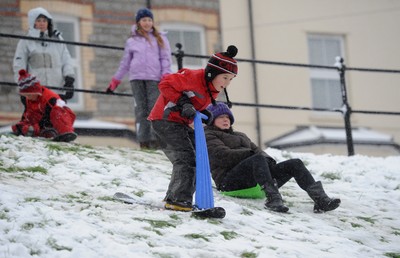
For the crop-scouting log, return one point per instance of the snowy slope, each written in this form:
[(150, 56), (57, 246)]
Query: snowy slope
[(56, 201)]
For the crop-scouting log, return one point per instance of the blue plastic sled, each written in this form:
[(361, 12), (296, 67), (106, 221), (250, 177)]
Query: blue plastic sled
[(204, 194)]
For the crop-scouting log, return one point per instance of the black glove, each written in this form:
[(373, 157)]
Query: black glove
[(69, 83), (186, 106), (183, 100), (188, 111), (209, 115)]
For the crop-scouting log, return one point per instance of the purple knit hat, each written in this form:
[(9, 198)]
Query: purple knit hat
[(220, 108)]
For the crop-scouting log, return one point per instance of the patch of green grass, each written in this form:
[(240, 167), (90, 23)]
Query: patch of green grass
[(196, 236), (32, 199), (392, 255), (228, 235), (157, 223), (248, 255), (35, 169), (214, 221), (174, 217), (27, 226), (106, 198), (61, 147), (355, 225), (368, 219), (359, 242), (54, 147), (246, 212), (11, 169), (116, 181), (161, 255), (331, 175), (73, 198), (383, 239), (83, 193), (160, 223), (4, 215), (53, 244), (35, 252), (139, 193)]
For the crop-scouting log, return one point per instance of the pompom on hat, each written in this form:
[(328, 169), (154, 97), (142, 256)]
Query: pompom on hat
[(28, 84), (220, 108), (144, 12), (222, 62)]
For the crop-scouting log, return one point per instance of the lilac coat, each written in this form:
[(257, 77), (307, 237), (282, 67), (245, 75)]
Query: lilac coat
[(144, 60)]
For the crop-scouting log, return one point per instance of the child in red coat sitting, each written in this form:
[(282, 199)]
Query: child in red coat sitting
[(46, 114)]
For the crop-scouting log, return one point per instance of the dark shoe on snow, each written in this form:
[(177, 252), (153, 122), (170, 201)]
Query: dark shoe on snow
[(326, 205), (66, 137), (275, 203), (178, 206), (274, 198), (322, 201), (48, 133)]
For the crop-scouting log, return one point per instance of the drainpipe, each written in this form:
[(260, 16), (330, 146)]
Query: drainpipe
[(255, 85)]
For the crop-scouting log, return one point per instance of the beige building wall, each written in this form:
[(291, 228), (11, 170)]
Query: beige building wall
[(371, 40)]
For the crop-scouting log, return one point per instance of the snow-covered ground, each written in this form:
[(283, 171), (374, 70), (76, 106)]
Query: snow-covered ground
[(56, 201)]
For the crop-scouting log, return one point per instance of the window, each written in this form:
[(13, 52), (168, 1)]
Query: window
[(325, 83), (69, 28), (192, 39)]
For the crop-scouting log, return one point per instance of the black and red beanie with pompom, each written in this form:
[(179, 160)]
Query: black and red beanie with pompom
[(222, 62)]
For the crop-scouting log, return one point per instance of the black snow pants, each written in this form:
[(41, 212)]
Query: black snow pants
[(259, 169), (177, 142)]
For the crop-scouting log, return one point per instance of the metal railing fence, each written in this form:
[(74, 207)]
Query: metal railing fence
[(179, 54)]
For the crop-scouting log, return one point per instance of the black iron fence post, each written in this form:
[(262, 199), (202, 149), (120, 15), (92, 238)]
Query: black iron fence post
[(179, 53), (346, 109)]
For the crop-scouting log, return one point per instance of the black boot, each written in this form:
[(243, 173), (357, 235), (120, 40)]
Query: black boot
[(274, 199), (322, 201)]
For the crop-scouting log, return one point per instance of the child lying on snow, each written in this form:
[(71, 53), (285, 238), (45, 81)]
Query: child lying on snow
[(46, 114)]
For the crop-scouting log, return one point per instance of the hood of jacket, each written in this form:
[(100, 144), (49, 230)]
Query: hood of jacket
[(32, 16)]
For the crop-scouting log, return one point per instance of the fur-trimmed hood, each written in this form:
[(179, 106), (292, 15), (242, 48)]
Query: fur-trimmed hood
[(32, 16)]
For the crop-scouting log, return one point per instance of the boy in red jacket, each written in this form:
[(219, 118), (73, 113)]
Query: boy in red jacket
[(46, 114), (181, 95)]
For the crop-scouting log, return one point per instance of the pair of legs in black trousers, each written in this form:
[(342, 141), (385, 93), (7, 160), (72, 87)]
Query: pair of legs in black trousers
[(262, 170), (177, 142), (259, 169)]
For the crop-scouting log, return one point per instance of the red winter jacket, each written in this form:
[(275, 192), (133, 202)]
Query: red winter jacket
[(48, 111), (185, 81), (35, 110)]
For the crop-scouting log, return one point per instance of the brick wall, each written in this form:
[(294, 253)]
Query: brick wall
[(102, 22)]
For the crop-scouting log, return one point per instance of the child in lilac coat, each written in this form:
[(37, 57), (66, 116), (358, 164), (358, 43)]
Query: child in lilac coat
[(146, 59)]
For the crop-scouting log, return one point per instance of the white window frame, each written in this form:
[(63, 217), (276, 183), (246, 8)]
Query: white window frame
[(325, 74), (187, 27), (78, 104)]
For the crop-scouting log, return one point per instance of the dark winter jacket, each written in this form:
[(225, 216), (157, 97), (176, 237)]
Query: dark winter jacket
[(226, 149)]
